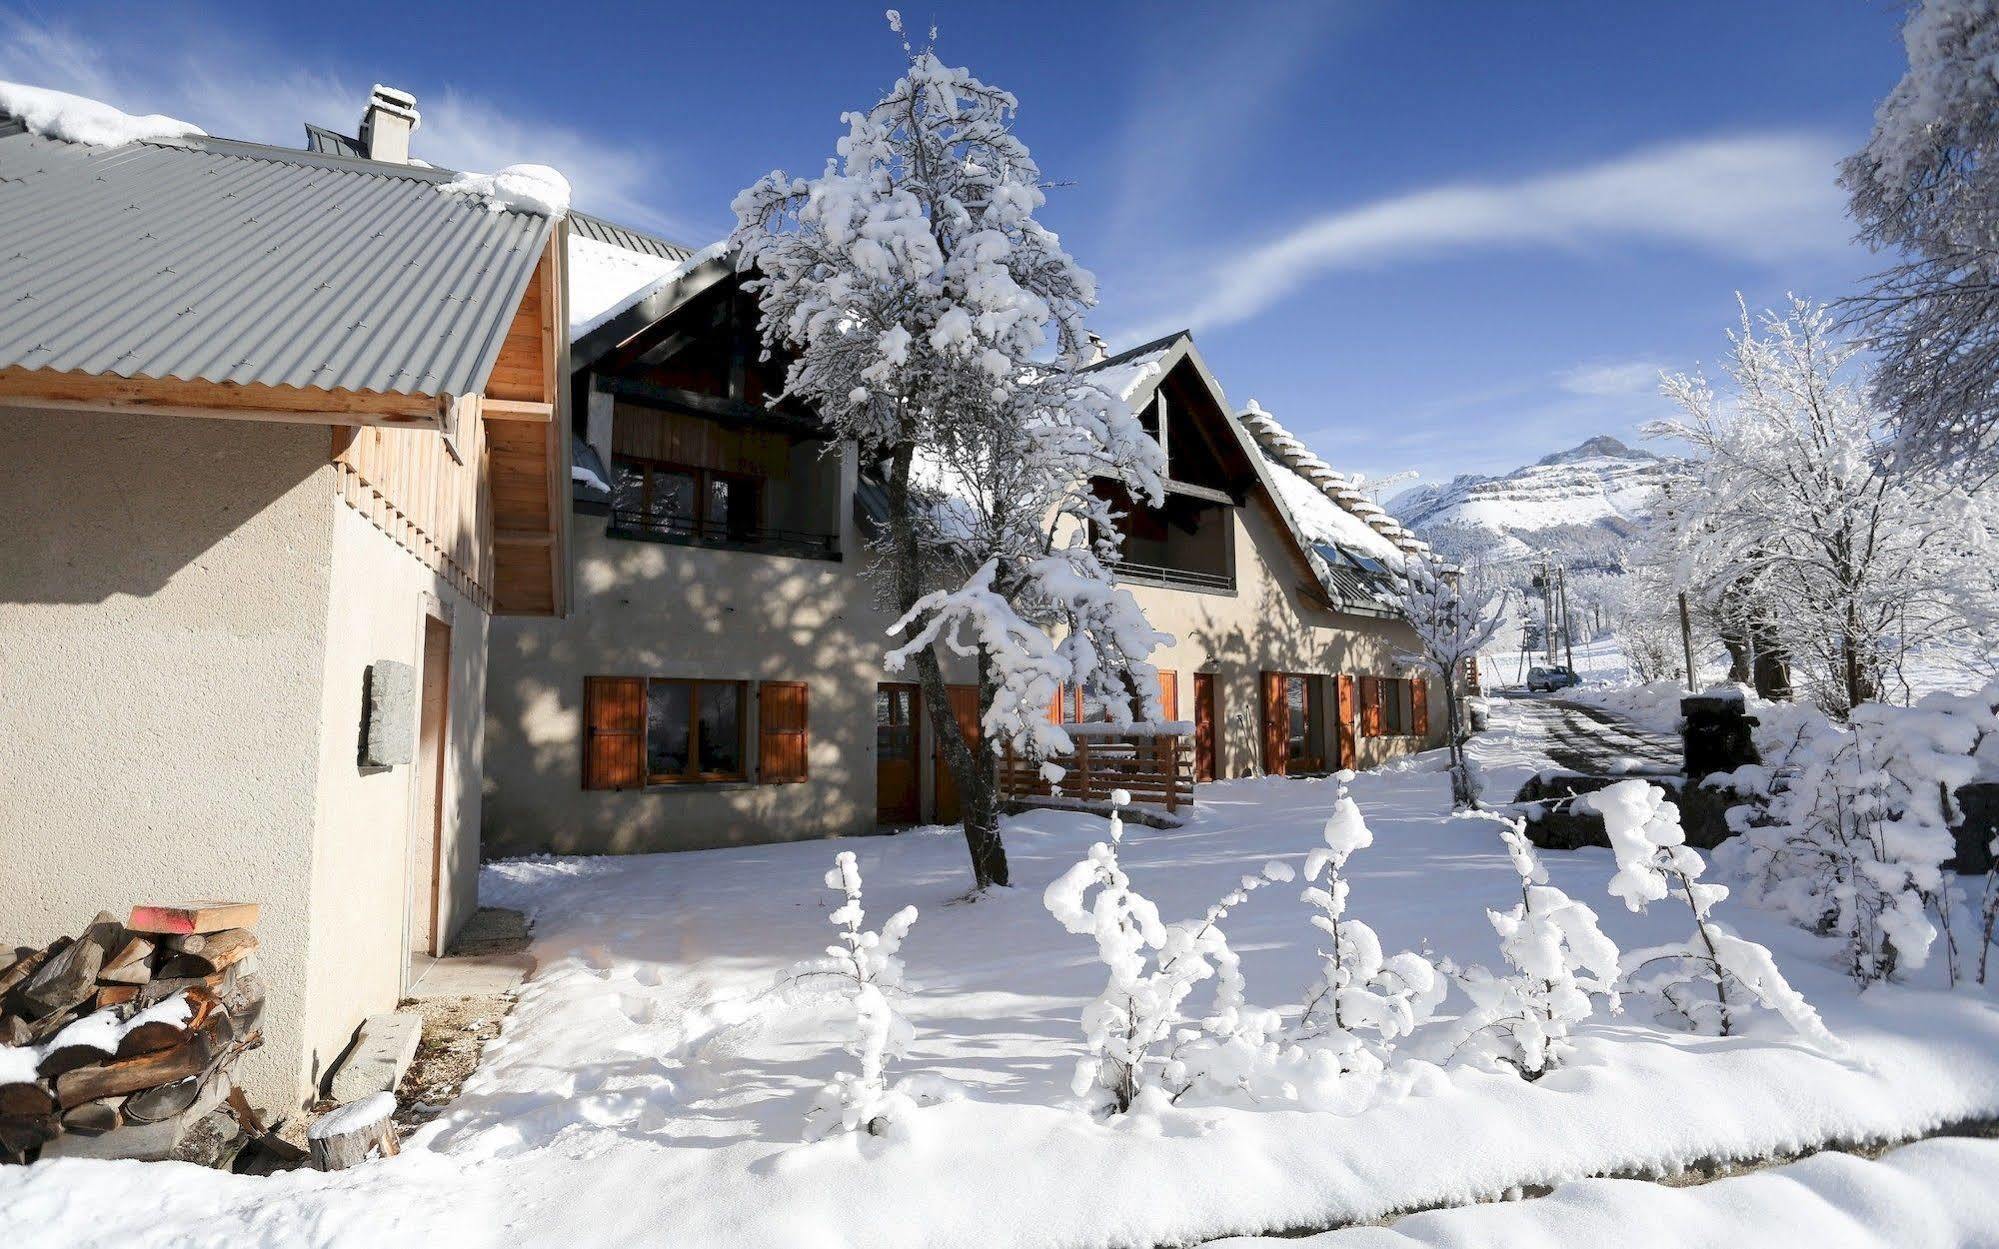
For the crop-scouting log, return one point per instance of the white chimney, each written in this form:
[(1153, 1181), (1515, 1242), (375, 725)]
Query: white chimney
[(386, 126), (1099, 350)]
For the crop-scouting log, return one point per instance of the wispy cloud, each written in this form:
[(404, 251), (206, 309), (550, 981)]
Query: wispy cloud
[(194, 68), (1613, 380), (1762, 197)]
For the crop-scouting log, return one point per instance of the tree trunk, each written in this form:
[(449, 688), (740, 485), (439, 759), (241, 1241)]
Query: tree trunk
[(975, 771)]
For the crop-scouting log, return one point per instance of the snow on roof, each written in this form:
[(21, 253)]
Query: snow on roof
[(605, 279), (1328, 504), (517, 188), (78, 119), (1124, 377)]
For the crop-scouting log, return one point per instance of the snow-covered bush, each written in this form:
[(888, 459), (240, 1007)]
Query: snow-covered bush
[(863, 972), (1153, 967), (1852, 824), (1362, 1001), (1711, 978), (1559, 957)]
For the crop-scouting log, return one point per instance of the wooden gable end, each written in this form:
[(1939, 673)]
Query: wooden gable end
[(527, 440)]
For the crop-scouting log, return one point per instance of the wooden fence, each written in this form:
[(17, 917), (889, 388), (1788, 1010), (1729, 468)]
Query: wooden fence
[(1155, 768)]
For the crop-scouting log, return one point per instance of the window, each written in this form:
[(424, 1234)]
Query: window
[(676, 499), (694, 731), (660, 731), (895, 722), (1394, 707)]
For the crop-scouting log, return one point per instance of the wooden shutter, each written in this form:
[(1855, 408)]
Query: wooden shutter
[(1420, 713), (1276, 725), (1055, 715), (1370, 706), (614, 732), (1349, 722), (781, 735), (1169, 695)]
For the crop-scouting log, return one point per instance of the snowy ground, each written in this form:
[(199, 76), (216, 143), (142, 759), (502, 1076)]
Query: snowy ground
[(1936, 1194), (644, 1091)]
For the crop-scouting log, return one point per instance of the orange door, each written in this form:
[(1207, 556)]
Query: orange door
[(897, 800), (1204, 726), (964, 706)]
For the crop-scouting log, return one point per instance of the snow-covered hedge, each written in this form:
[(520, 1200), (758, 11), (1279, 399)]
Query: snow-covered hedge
[(1850, 825)]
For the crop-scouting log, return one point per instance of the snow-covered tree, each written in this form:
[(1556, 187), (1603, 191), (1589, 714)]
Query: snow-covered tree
[(935, 323), (1801, 507), (1926, 186), (1153, 967), (1559, 958), (1362, 1002), (1711, 978), (1455, 615), (863, 973), (1854, 822)]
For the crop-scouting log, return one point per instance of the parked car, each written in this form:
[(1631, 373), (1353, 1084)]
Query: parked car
[(1548, 680)]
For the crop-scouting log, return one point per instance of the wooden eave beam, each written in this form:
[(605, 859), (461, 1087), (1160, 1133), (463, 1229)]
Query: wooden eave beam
[(234, 400), (519, 410), (715, 407)]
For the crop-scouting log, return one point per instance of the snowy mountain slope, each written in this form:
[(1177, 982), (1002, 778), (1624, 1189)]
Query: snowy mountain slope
[(1600, 484)]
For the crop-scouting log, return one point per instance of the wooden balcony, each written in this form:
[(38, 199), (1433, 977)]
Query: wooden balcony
[(1156, 768)]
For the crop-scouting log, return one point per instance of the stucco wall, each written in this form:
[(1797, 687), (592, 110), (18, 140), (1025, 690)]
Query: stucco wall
[(651, 609), (658, 610), (1267, 625), (163, 612), (362, 871)]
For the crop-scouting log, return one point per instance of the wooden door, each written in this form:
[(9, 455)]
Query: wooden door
[(1347, 722), (898, 799), (426, 854), (1204, 726), (1169, 694), (1276, 723), (965, 706)]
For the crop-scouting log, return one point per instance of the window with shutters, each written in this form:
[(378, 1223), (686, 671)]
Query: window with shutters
[(1292, 724), (642, 731), (1393, 707)]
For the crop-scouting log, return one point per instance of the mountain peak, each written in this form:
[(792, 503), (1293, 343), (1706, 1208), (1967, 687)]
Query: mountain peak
[(1601, 447)]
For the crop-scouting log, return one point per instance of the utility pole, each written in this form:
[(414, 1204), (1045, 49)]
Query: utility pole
[(1542, 583), (1568, 628), (1687, 641)]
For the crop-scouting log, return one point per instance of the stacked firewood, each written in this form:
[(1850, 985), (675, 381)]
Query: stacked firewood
[(120, 1042)]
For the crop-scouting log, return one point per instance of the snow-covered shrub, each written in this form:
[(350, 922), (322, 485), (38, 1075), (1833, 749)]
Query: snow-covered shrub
[(1852, 826), (864, 972), (1153, 967), (1559, 957), (1362, 1001), (1709, 979)]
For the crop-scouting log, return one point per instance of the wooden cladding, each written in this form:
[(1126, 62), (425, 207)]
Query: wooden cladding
[(677, 438), (485, 505), (781, 735), (614, 727), (439, 508)]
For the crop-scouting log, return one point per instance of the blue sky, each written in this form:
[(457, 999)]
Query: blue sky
[(1443, 237)]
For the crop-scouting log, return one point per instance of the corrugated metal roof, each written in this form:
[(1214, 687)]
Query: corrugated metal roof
[(221, 261), (624, 236), (332, 142)]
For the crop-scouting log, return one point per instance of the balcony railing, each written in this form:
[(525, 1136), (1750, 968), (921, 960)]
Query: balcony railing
[(1153, 766), (1179, 578), (633, 524)]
